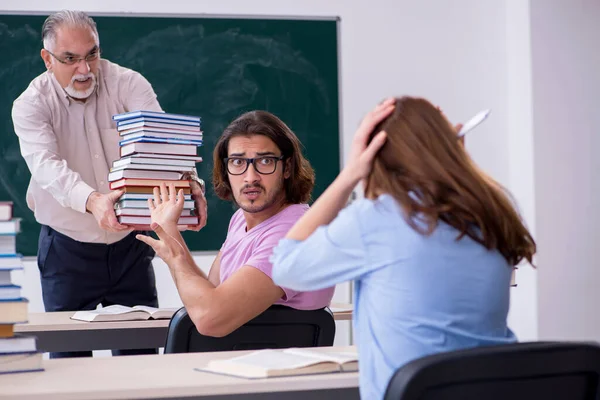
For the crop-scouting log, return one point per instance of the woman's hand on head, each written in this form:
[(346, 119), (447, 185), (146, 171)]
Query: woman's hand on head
[(362, 153)]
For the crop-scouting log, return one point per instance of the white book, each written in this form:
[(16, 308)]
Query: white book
[(10, 261), (144, 222), (152, 163), (153, 167), (145, 196), (167, 135), (6, 208), (10, 292), (5, 277), (169, 157), (11, 226), (155, 114), (17, 344), (158, 125), (189, 204), (144, 174), (8, 244), (146, 212), (154, 119), (294, 361), (21, 362), (197, 143), (125, 130), (159, 148), (123, 313)]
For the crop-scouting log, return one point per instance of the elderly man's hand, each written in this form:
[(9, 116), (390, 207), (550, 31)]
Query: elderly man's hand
[(199, 200)]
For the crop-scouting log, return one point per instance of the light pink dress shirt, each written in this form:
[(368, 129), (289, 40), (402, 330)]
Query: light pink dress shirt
[(69, 145)]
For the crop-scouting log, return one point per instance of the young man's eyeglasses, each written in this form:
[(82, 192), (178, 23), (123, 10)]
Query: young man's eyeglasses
[(264, 165), (73, 59)]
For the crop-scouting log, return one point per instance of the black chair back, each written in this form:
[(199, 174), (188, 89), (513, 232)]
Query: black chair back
[(520, 371), (277, 327)]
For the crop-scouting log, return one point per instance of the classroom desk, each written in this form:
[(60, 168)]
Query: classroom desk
[(56, 331), (166, 377)]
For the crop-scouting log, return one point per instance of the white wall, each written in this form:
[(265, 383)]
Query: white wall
[(523, 311), (566, 86), (461, 55)]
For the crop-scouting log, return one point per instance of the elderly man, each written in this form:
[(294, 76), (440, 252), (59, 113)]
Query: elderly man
[(67, 138)]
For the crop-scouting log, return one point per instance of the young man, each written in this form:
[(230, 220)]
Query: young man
[(259, 166), (65, 129)]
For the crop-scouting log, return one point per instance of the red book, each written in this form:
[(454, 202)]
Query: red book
[(146, 182)]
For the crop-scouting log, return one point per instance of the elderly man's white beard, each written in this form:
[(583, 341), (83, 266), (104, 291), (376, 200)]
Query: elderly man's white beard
[(81, 94)]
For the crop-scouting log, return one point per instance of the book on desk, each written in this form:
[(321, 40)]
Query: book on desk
[(118, 312), (286, 362)]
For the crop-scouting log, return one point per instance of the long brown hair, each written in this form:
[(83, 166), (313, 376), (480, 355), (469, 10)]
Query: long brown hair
[(425, 168), (302, 176)]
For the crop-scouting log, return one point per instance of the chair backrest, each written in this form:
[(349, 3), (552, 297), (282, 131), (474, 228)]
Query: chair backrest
[(535, 370), (277, 327)]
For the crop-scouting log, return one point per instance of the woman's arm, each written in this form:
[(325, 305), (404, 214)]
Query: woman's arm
[(324, 210)]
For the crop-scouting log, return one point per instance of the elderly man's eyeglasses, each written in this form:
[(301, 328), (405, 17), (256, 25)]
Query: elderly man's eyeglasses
[(72, 59), (264, 165)]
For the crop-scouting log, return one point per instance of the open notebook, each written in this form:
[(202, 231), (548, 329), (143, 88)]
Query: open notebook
[(122, 313), (294, 361)]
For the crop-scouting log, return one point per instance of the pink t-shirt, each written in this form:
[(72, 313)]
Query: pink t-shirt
[(253, 248)]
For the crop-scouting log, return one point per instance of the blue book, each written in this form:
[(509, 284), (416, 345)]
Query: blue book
[(154, 114), (174, 122), (20, 362), (5, 276), (159, 140), (17, 300), (10, 292), (164, 126)]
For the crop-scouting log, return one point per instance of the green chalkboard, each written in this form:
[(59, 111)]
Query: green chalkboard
[(216, 68)]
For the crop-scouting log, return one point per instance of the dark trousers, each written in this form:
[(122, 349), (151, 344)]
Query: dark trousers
[(79, 276)]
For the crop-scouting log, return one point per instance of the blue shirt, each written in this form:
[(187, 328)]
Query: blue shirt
[(414, 295)]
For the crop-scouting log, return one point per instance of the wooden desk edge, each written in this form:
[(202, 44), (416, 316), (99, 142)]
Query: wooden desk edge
[(67, 324)]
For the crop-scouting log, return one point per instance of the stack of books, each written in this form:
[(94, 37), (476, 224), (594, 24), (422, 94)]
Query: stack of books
[(18, 353), (155, 147)]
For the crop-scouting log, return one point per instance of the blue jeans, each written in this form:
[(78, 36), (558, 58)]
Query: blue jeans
[(79, 276)]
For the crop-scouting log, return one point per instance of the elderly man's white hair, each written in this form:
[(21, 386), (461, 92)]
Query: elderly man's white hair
[(66, 18)]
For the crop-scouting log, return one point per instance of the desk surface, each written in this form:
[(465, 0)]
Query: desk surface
[(156, 376), (61, 321), (56, 331)]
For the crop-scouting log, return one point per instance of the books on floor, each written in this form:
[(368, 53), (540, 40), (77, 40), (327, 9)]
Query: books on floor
[(18, 353), (155, 147), (293, 361), (118, 312)]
